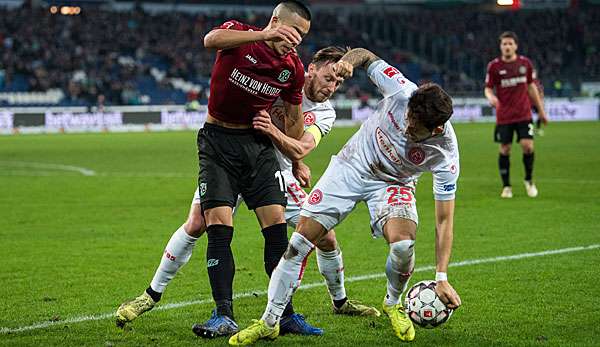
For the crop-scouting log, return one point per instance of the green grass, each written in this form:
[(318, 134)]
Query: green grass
[(75, 245)]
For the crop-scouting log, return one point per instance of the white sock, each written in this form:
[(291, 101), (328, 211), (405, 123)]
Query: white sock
[(286, 277), (176, 254), (398, 269), (331, 267)]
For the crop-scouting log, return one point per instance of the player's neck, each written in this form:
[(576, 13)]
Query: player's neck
[(509, 59)]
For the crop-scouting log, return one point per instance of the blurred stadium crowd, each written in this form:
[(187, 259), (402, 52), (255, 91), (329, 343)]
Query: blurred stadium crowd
[(134, 57)]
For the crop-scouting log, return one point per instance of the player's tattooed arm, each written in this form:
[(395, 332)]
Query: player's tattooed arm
[(290, 147), (294, 121), (357, 57)]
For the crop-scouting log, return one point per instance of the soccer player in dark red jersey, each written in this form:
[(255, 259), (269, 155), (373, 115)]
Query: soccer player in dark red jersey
[(252, 69), (511, 76)]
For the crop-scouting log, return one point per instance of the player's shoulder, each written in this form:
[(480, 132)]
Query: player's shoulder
[(448, 141), (239, 25), (524, 59), (320, 109), (494, 63)]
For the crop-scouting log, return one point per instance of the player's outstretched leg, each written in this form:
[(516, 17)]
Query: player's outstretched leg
[(400, 234), (284, 281), (177, 253), (276, 242), (331, 266)]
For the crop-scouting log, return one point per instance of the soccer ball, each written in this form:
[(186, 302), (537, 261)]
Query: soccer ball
[(424, 307)]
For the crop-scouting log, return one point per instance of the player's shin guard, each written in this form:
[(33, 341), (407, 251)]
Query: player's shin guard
[(528, 163), (276, 243), (286, 277), (177, 253), (221, 268), (398, 269), (504, 167), (331, 267)]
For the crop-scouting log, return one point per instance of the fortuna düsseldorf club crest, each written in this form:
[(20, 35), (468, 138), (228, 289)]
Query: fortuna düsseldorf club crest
[(416, 155), (315, 197), (309, 118)]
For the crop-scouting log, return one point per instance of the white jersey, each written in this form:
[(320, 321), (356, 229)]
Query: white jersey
[(381, 149), (320, 114)]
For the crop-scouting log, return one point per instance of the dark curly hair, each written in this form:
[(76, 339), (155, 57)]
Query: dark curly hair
[(431, 105)]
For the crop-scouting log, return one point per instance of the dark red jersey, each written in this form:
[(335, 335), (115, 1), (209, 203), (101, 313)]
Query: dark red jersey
[(511, 81), (250, 78)]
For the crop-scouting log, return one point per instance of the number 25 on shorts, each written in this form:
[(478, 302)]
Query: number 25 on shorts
[(397, 195)]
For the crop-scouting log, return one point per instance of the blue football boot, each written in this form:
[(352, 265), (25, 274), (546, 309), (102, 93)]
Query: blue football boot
[(296, 324), (216, 326)]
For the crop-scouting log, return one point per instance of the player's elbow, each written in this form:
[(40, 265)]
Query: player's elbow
[(210, 41)]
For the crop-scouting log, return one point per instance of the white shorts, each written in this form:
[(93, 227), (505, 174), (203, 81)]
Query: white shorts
[(341, 187), (293, 191)]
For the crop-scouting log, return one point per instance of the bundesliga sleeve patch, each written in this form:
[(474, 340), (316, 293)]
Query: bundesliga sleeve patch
[(390, 71)]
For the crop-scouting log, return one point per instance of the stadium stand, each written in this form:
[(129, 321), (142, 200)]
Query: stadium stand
[(139, 57)]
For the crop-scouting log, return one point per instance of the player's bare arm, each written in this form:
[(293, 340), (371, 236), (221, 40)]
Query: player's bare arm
[(357, 57), (534, 94), (294, 121), (491, 97), (290, 147), (228, 38), (444, 215)]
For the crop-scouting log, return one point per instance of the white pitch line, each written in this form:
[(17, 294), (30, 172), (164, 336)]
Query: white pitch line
[(80, 319), (34, 165)]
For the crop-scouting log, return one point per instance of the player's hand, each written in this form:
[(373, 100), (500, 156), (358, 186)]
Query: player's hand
[(447, 294), (262, 122), (302, 173), (343, 69), (282, 33), (493, 101), (544, 118)]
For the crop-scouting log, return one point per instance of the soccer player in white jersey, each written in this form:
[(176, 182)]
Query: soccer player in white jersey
[(319, 116), (408, 134)]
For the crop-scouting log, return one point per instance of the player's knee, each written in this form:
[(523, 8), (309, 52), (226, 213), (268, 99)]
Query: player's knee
[(402, 249), (195, 226), (528, 148), (299, 246), (505, 149), (328, 242)]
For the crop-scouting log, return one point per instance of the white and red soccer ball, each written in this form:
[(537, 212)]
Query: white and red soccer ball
[(424, 307)]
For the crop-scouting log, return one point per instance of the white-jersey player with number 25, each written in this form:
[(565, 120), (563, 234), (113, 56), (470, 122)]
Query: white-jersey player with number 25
[(408, 134)]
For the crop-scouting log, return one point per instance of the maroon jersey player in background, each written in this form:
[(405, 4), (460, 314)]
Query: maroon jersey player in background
[(252, 69), (511, 76)]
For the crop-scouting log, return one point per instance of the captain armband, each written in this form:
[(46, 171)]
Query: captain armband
[(316, 133)]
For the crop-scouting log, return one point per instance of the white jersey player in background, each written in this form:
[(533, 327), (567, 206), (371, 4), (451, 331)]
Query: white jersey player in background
[(319, 116), (408, 134)]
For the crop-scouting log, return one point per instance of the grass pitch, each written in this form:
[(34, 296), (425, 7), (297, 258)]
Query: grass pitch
[(84, 219)]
